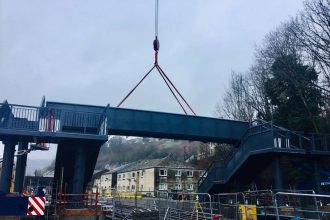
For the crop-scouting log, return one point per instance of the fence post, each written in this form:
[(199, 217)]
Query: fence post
[(114, 204), (276, 208), (211, 210), (96, 197)]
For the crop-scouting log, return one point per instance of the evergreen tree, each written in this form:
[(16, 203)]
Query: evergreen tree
[(292, 90)]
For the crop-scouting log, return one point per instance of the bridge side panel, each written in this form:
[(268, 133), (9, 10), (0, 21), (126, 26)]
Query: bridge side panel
[(130, 122)]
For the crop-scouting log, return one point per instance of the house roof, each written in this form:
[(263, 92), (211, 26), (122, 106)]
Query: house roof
[(119, 168), (98, 174), (167, 162)]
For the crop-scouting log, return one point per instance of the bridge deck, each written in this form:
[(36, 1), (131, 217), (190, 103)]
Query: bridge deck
[(130, 122), (58, 121)]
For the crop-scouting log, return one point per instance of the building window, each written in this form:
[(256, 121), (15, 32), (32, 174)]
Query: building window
[(177, 186), (190, 186), (127, 188), (133, 187), (124, 176), (190, 173), (141, 188), (177, 172), (201, 173), (142, 173), (118, 187), (162, 172), (163, 186), (133, 175), (119, 176)]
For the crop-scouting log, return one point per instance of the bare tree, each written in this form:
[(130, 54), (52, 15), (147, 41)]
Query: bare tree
[(235, 101), (307, 38), (246, 97), (312, 29)]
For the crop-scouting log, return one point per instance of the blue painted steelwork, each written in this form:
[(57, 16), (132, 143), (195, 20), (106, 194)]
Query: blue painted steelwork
[(49, 124), (13, 206), (61, 120), (79, 175), (7, 166), (262, 139), (130, 122), (278, 173), (76, 125), (20, 167)]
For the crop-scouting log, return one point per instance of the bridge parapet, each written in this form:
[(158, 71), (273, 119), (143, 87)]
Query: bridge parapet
[(15, 118), (132, 122)]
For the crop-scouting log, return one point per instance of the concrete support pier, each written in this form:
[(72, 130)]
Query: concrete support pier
[(20, 167), (7, 165), (278, 173)]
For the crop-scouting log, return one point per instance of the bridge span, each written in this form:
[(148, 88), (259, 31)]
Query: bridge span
[(80, 131)]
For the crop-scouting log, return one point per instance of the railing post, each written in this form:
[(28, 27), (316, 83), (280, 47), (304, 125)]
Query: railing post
[(59, 200), (64, 201), (316, 206)]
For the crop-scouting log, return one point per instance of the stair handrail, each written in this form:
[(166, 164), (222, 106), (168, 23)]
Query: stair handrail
[(245, 137), (264, 127), (233, 151)]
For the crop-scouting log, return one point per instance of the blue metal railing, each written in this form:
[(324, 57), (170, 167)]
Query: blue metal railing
[(219, 170), (260, 137), (44, 119)]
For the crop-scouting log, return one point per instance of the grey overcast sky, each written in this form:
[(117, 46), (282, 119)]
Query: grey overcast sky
[(94, 52)]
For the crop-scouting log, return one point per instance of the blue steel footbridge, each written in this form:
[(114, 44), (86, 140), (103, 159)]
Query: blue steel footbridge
[(80, 131)]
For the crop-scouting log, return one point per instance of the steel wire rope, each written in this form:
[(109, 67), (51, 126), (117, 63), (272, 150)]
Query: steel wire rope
[(171, 89), (145, 76), (156, 17), (176, 90)]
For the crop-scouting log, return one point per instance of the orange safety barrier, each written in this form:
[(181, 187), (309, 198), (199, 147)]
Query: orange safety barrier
[(85, 200)]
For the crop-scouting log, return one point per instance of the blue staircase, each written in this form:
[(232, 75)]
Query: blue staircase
[(262, 139)]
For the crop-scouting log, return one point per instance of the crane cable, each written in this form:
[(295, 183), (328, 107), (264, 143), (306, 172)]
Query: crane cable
[(156, 17), (166, 79)]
